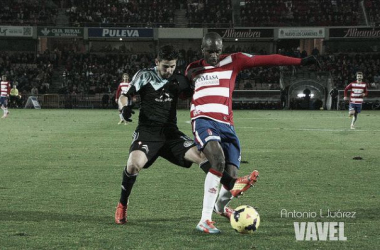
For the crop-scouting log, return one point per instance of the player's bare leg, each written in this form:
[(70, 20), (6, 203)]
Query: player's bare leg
[(5, 111), (123, 100), (354, 116), (136, 161)]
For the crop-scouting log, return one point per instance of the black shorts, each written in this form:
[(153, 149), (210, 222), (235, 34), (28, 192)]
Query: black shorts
[(170, 144)]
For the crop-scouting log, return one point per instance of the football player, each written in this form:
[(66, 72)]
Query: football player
[(122, 89), (212, 117), (4, 94), (358, 91), (157, 134)]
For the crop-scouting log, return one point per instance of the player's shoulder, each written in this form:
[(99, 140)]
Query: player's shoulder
[(143, 73), (241, 55), (195, 64)]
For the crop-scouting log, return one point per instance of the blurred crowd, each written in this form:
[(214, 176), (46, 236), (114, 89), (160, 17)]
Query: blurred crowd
[(198, 13), (259, 13), (31, 73), (86, 12), (28, 12)]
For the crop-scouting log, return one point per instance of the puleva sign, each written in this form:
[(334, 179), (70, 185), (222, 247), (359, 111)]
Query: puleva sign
[(120, 33)]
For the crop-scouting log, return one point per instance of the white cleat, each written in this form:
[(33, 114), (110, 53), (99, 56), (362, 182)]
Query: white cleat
[(207, 227)]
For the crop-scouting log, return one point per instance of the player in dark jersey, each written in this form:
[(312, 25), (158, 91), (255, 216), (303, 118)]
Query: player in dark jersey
[(157, 134), (212, 116)]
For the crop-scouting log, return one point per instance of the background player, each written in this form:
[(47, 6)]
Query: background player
[(212, 117), (358, 91), (4, 94), (157, 134), (122, 89)]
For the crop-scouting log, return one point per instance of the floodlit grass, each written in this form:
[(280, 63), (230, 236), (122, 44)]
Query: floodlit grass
[(60, 176)]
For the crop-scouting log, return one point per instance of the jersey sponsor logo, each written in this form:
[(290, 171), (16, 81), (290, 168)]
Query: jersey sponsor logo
[(357, 91), (358, 85), (206, 80), (211, 79), (164, 98)]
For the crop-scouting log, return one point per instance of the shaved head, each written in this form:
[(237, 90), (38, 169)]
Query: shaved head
[(212, 47), (212, 38)]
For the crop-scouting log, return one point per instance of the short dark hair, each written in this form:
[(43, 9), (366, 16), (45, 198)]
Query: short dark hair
[(359, 73), (167, 52)]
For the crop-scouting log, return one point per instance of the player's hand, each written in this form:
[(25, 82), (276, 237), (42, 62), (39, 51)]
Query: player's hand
[(345, 98), (310, 60), (185, 88), (179, 79), (127, 113)]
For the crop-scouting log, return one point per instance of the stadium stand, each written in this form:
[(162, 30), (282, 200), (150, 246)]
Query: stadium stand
[(261, 13), (28, 70), (158, 13), (95, 70), (28, 12)]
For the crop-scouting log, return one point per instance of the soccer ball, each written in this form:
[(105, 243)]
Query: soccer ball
[(245, 219)]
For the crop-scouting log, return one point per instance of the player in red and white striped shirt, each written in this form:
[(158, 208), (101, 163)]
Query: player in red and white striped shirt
[(4, 94), (358, 91), (212, 117), (122, 89)]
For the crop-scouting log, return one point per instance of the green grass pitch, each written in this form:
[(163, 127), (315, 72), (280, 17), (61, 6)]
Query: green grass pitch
[(60, 176)]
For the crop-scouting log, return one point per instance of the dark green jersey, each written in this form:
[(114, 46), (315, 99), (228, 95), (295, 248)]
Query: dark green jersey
[(159, 99)]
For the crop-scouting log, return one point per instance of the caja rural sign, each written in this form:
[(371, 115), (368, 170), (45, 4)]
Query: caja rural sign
[(59, 32)]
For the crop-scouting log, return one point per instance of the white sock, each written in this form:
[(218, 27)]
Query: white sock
[(353, 121), (5, 111), (121, 117), (224, 198), (211, 188)]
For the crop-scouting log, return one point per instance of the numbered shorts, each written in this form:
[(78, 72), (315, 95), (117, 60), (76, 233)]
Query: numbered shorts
[(355, 107), (206, 130), (172, 149)]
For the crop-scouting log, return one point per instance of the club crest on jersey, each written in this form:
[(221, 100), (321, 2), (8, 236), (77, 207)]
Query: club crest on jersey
[(209, 131)]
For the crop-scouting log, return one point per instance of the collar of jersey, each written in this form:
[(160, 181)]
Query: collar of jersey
[(159, 82)]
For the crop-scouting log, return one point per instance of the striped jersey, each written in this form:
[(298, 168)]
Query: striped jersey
[(214, 85), (358, 91), (5, 88), (122, 89)]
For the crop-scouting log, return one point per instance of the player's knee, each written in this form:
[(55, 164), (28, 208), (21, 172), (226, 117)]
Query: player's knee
[(133, 168), (218, 162)]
